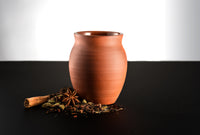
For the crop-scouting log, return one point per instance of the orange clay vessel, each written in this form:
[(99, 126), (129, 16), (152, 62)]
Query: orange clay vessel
[(98, 65)]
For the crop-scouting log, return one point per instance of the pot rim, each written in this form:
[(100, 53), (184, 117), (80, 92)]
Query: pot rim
[(98, 33)]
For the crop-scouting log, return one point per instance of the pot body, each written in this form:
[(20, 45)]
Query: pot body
[(98, 66)]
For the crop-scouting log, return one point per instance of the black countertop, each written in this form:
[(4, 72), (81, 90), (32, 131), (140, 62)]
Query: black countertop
[(160, 98)]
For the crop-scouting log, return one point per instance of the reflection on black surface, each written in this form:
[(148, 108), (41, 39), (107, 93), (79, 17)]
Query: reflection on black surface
[(110, 123)]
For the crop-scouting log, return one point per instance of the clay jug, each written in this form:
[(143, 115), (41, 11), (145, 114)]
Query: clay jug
[(98, 65)]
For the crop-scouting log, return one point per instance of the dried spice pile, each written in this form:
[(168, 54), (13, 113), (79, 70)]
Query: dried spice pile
[(67, 101)]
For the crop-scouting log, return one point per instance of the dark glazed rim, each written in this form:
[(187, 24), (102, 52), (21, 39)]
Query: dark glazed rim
[(98, 33)]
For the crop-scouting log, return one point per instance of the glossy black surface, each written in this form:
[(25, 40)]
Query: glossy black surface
[(160, 98)]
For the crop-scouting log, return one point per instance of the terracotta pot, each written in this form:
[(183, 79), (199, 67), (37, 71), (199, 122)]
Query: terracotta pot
[(98, 65)]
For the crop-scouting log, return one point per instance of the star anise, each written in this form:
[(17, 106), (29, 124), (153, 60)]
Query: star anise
[(70, 97)]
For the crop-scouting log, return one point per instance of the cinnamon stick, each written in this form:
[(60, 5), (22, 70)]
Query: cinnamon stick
[(34, 101)]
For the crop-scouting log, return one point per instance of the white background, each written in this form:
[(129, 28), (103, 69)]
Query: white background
[(43, 29)]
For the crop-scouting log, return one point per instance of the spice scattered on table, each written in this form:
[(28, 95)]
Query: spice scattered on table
[(67, 101)]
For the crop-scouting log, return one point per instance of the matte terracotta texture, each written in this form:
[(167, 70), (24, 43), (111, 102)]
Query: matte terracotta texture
[(98, 65)]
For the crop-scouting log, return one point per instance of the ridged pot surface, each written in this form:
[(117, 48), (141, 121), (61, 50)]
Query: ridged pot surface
[(98, 65)]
